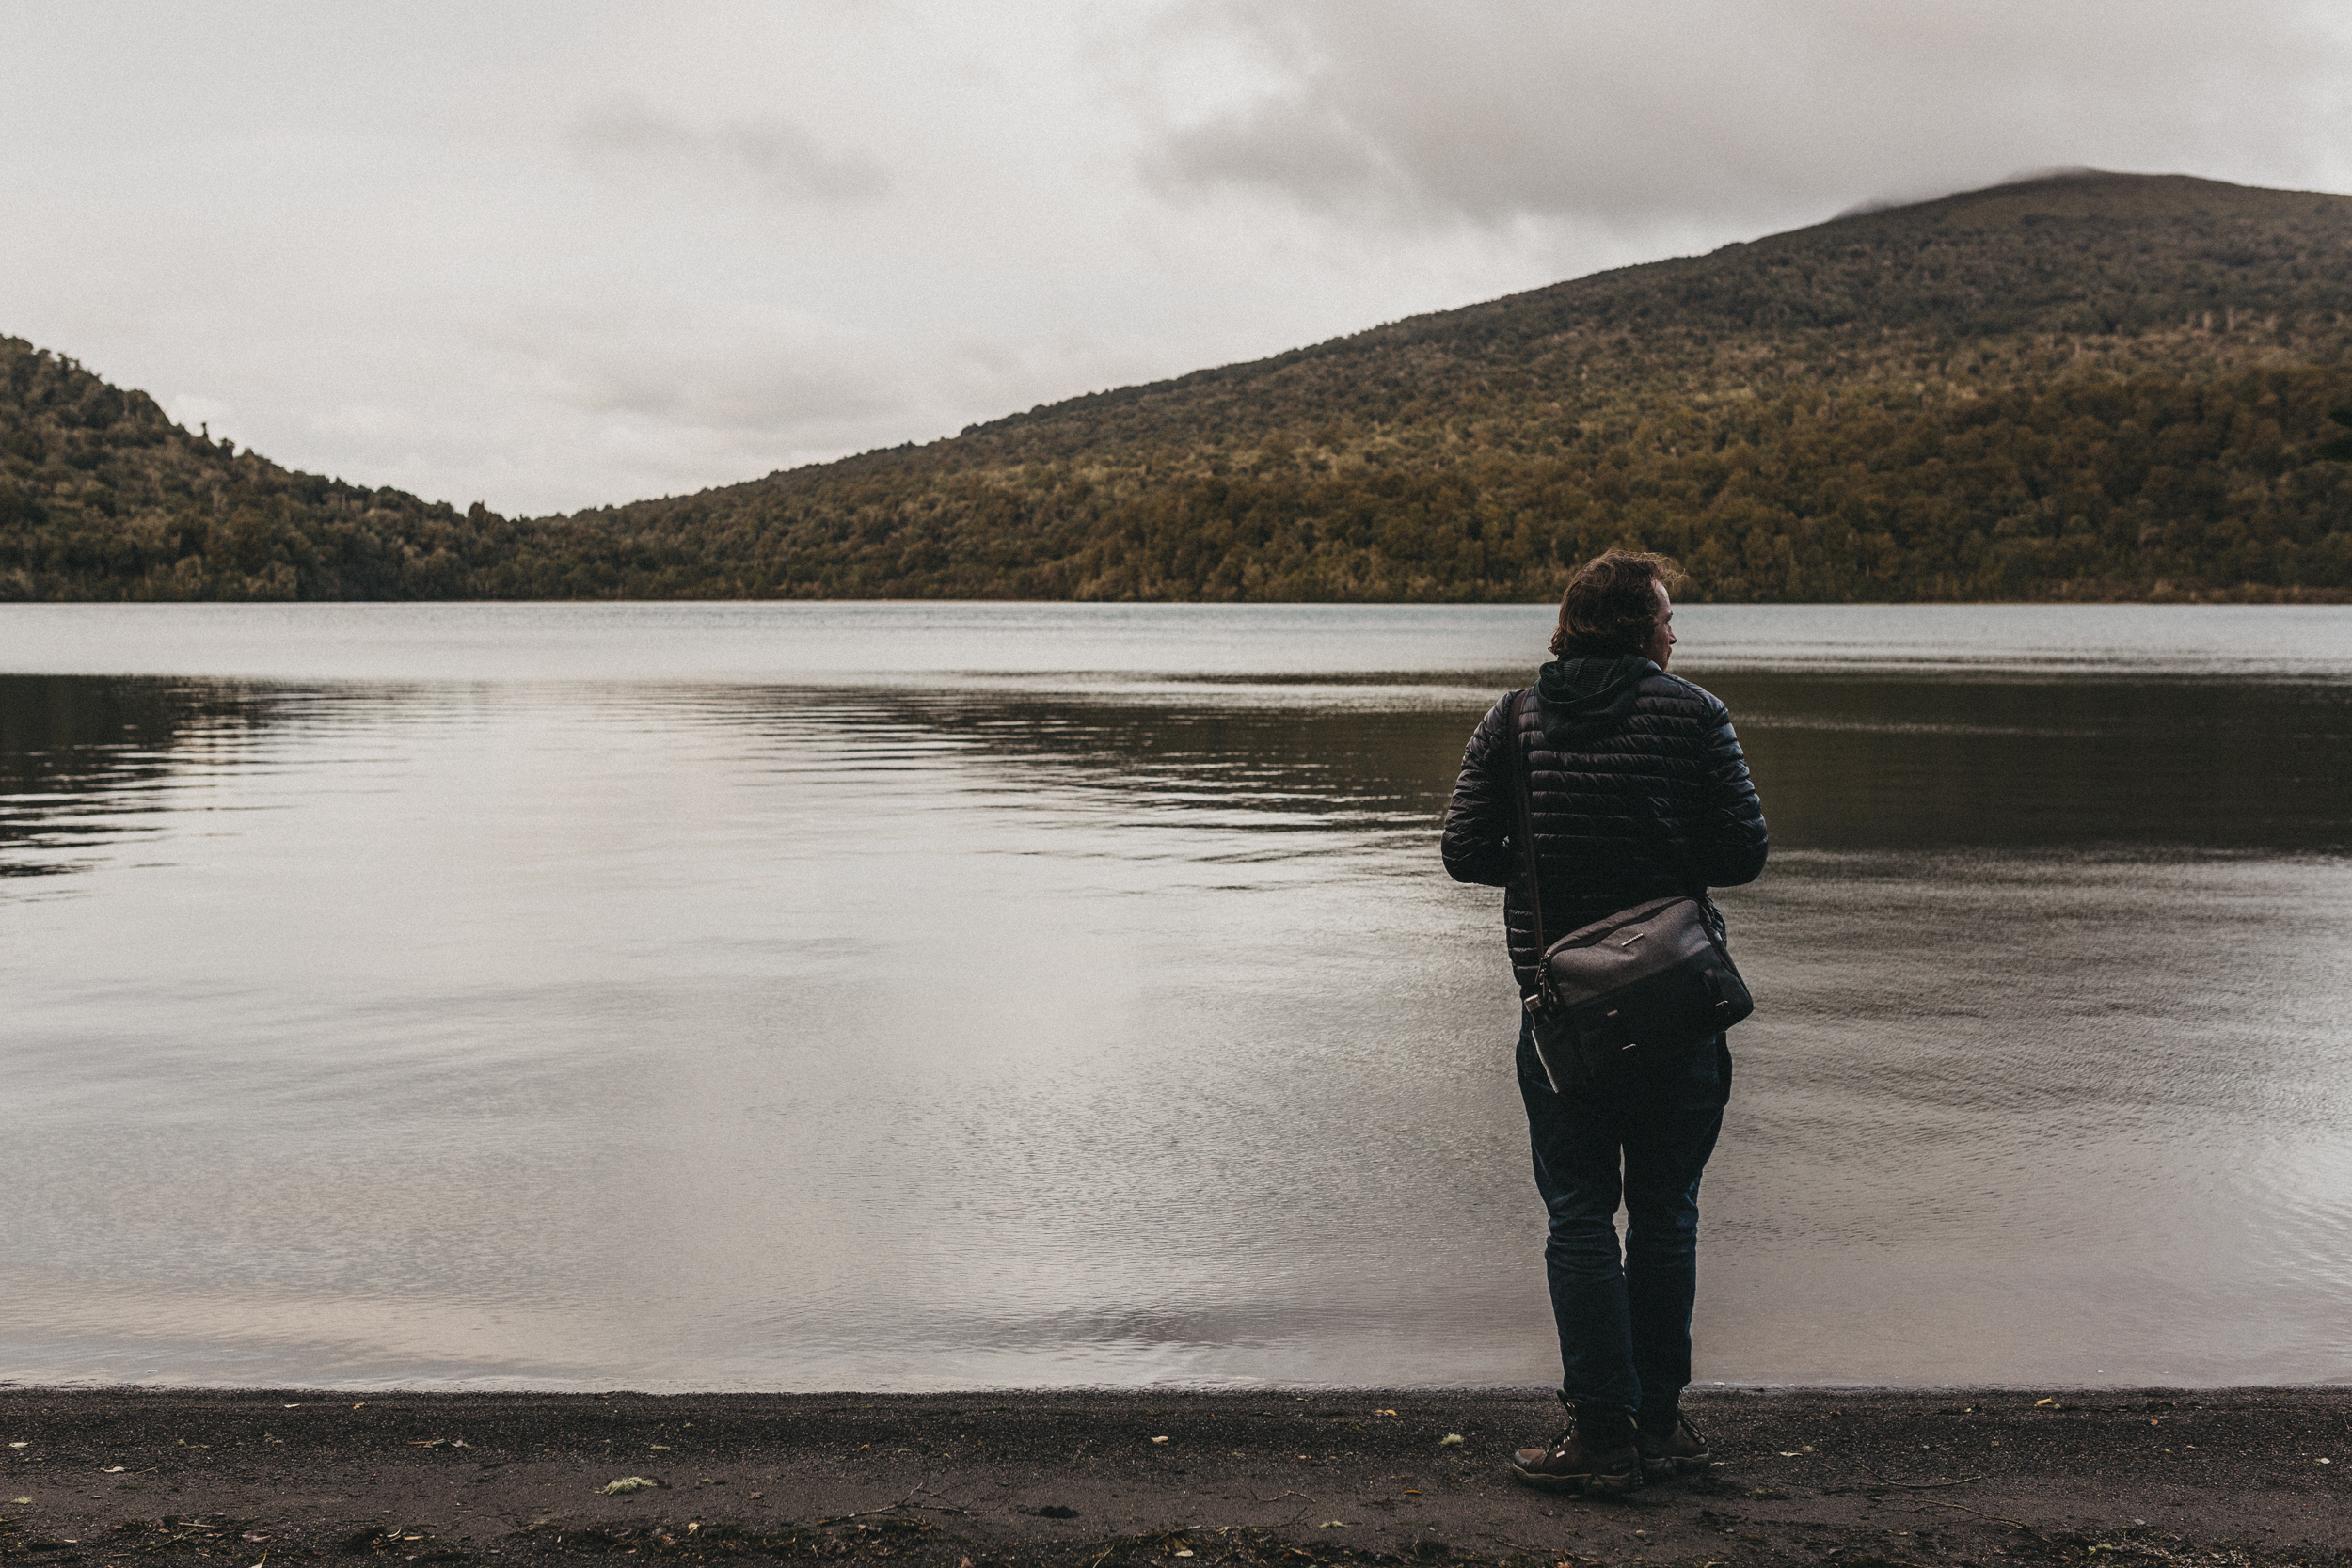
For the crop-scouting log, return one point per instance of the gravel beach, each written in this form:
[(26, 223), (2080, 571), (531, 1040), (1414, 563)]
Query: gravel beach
[(1091, 1480)]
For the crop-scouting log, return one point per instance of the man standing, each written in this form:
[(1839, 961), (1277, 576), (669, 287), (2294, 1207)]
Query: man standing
[(1637, 790)]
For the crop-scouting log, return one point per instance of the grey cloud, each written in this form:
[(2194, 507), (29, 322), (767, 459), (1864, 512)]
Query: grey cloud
[(779, 159), (1516, 109), (773, 372), (791, 163), (1308, 149)]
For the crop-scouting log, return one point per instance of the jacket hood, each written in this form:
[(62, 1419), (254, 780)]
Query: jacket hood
[(1584, 699)]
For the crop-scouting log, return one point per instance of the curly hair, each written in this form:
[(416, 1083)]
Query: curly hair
[(1612, 603)]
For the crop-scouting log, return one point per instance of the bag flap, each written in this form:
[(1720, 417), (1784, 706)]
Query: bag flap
[(1628, 947)]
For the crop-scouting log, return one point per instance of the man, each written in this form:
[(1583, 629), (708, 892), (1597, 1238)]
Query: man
[(1638, 790)]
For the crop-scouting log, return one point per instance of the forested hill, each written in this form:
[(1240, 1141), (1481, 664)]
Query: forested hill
[(2090, 386), (103, 497)]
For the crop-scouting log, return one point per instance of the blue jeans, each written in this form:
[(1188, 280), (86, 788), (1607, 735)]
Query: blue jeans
[(1643, 1137)]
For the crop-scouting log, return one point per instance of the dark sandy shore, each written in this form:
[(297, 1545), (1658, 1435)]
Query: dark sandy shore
[(1095, 1480)]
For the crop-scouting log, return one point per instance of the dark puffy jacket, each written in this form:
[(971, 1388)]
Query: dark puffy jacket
[(1658, 801)]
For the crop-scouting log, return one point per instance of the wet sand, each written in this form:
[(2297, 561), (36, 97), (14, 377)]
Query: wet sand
[(1092, 1480)]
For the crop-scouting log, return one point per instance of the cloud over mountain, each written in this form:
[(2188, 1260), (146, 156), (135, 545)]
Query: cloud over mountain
[(1518, 109)]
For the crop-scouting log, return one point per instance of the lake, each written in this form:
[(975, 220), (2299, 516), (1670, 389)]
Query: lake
[(916, 996)]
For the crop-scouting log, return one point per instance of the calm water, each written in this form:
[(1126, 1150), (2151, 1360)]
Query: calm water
[(914, 996)]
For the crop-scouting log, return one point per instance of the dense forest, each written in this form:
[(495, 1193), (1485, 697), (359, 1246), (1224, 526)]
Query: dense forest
[(2085, 386)]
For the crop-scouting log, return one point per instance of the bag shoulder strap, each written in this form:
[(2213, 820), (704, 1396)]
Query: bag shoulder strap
[(1522, 791)]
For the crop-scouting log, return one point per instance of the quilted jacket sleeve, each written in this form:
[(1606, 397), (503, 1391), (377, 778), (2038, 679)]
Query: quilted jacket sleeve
[(1479, 820), (1727, 841)]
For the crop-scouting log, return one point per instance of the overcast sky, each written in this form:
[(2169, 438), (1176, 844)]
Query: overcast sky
[(550, 253)]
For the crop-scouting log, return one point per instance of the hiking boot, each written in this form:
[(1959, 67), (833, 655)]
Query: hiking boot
[(1673, 1448), (1598, 1456)]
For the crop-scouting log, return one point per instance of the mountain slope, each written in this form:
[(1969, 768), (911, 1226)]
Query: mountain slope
[(102, 496), (2100, 385)]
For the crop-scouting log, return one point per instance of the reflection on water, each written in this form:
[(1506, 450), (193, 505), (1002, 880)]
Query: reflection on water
[(1884, 763), (938, 1032), (80, 759)]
